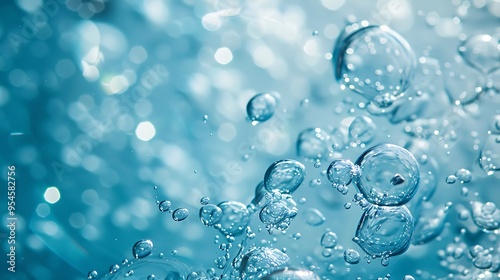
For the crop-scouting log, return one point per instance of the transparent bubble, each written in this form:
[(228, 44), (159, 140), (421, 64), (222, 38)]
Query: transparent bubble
[(210, 214), (351, 256), (284, 176), (408, 277), (92, 274), (481, 258), (279, 213), (114, 268), (362, 130), (164, 206), (340, 172), (463, 175), (235, 218), (142, 248), (261, 261), (385, 231), (463, 84), (205, 200), (389, 175), (374, 61), (313, 143), (292, 274), (261, 107), (486, 216), (489, 157), (329, 239), (180, 214), (429, 225), (451, 179), (481, 52), (313, 217)]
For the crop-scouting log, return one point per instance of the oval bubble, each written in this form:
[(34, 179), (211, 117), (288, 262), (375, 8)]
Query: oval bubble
[(261, 107), (385, 231), (313, 143), (389, 175), (284, 176), (235, 217), (481, 52), (374, 61), (261, 261), (142, 248)]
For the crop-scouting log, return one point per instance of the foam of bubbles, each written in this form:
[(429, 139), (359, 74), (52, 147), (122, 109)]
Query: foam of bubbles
[(389, 175), (340, 172), (374, 61), (486, 215), (285, 176), (385, 231)]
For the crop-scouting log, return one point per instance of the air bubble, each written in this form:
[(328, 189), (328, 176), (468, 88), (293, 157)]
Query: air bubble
[(329, 239), (142, 249), (210, 214), (261, 261), (164, 206), (261, 107), (292, 274), (180, 214), (314, 217), (285, 176), (235, 218), (481, 52), (351, 256), (378, 166), (313, 143)]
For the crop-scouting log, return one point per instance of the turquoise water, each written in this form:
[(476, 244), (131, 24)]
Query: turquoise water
[(227, 139)]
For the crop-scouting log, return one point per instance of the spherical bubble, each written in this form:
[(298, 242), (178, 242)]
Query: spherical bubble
[(351, 256), (385, 231), (180, 214), (486, 215), (329, 239), (340, 172), (235, 218), (92, 274), (142, 248), (261, 261), (374, 61), (292, 274), (481, 52), (284, 176), (210, 214), (261, 107), (489, 157), (389, 175), (313, 143), (362, 130)]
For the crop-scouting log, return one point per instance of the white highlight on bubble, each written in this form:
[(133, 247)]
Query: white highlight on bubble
[(145, 131), (52, 195), (223, 55)]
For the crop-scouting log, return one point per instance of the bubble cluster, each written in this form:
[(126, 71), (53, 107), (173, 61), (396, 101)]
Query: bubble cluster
[(389, 175), (278, 213), (485, 215), (235, 217), (210, 214)]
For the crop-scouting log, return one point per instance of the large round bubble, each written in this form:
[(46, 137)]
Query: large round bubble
[(235, 217), (389, 175), (284, 176), (374, 61), (385, 231), (261, 261)]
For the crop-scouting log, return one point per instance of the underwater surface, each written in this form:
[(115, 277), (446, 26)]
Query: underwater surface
[(264, 139)]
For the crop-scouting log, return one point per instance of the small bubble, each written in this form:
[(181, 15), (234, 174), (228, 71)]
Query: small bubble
[(205, 118), (464, 175), (142, 248), (151, 277), (164, 206), (329, 239), (315, 33), (205, 200), (180, 214), (261, 107), (92, 274), (451, 179), (351, 256), (347, 205), (114, 268)]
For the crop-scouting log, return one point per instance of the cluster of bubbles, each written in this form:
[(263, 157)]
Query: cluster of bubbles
[(393, 186)]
